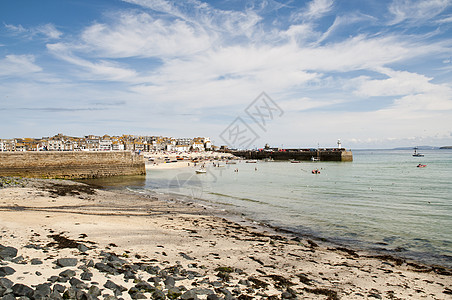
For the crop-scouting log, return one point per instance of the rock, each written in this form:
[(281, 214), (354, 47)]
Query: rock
[(86, 276), (55, 296), (174, 293), (82, 248), (7, 252), (90, 263), (70, 293), (139, 296), (19, 260), (117, 289), (155, 280), (42, 291), (67, 262), (36, 261), (158, 294), (59, 288), (104, 268), (67, 273), (170, 282), (53, 279), (129, 275), (185, 256), (213, 297), (77, 283), (287, 295), (227, 294), (4, 271), (8, 297), (143, 286), (189, 295), (22, 290), (110, 297), (6, 283), (94, 291)]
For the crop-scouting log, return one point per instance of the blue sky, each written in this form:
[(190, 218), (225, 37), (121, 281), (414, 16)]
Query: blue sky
[(372, 73)]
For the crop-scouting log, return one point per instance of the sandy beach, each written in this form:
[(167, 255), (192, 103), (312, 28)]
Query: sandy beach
[(171, 160), (65, 239)]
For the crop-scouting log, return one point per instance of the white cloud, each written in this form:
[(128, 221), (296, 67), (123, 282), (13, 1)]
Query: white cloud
[(48, 31), (229, 22), (318, 8), (100, 70), (143, 36), (416, 11), (18, 65), (398, 83)]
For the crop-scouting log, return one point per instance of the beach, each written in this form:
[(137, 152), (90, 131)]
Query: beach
[(176, 160), (61, 238)]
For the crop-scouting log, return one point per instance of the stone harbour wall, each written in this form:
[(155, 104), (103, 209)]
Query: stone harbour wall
[(71, 164)]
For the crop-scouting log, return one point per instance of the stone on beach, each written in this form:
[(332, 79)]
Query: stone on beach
[(67, 262), (7, 252)]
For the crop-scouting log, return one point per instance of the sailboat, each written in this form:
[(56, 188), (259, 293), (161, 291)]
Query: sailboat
[(417, 154)]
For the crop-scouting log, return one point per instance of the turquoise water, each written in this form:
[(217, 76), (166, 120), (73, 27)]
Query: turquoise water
[(380, 201)]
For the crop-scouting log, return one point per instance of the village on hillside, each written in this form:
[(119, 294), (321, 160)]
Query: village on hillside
[(61, 142)]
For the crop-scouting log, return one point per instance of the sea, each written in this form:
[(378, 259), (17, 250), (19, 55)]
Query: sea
[(381, 202)]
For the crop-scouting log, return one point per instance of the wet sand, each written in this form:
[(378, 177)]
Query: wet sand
[(144, 246)]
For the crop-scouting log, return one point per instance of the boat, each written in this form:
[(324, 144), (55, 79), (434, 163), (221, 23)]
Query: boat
[(201, 171), (417, 154), (315, 159), (421, 166), (251, 161), (231, 162), (295, 161), (316, 171)]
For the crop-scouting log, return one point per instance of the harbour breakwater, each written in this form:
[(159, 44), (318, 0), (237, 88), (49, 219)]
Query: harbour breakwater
[(325, 154), (71, 164)]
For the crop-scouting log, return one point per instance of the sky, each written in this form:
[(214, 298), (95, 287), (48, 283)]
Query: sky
[(374, 73)]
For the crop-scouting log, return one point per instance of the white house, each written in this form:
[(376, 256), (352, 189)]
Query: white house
[(182, 148)]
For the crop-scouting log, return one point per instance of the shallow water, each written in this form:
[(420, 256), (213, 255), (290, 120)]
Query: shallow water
[(380, 201)]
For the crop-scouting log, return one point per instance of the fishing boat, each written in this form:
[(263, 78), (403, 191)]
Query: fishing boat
[(417, 154), (295, 161), (231, 162), (251, 161), (201, 171)]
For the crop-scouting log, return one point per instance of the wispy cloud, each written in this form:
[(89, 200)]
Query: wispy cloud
[(17, 65), (416, 11), (47, 31)]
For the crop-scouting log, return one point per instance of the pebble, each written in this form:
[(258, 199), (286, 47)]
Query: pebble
[(67, 262)]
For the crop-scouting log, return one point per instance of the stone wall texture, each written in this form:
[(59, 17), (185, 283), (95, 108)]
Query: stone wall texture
[(71, 164)]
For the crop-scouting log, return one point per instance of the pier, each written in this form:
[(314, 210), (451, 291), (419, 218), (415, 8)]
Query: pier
[(320, 154)]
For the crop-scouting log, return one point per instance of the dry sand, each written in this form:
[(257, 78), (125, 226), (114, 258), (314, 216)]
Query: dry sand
[(204, 254)]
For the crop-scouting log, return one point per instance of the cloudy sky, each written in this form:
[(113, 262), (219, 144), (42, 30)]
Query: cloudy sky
[(373, 73)]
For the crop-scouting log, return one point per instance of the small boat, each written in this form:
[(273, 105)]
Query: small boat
[(316, 171), (417, 154), (421, 166), (201, 171), (251, 161), (231, 162), (295, 161), (315, 159)]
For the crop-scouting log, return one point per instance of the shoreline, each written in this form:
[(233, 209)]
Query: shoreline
[(238, 258)]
